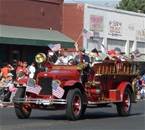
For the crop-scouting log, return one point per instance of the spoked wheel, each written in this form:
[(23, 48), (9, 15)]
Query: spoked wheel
[(124, 107), (74, 107)]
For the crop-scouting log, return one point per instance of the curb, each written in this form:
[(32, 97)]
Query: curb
[(6, 105), (139, 100)]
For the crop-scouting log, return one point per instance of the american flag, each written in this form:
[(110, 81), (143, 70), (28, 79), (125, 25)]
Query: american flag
[(57, 91), (35, 89)]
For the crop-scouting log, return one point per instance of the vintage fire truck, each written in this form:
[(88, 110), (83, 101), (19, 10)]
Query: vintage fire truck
[(61, 87)]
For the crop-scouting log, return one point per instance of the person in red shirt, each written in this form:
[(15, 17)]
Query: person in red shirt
[(6, 69), (25, 68), (19, 67)]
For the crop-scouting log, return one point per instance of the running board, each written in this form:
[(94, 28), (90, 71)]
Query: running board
[(102, 102)]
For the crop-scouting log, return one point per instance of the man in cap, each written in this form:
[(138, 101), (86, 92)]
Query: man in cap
[(118, 54), (95, 56), (82, 57)]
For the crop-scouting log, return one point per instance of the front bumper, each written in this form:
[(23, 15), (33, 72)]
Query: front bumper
[(46, 102)]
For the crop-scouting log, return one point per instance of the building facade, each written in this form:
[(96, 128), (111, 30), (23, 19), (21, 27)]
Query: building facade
[(112, 27)]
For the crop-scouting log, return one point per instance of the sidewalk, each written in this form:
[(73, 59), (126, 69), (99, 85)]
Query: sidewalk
[(140, 99), (6, 104)]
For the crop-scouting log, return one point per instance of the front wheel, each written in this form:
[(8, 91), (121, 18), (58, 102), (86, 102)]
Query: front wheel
[(23, 111), (74, 107), (124, 107)]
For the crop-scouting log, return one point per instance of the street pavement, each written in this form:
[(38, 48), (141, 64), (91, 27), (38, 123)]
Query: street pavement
[(94, 119)]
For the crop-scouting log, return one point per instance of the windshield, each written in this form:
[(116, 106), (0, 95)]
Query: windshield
[(63, 58)]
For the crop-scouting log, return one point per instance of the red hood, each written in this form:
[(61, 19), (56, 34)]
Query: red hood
[(61, 74)]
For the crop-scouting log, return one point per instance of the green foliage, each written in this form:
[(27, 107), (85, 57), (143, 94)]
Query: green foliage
[(132, 5)]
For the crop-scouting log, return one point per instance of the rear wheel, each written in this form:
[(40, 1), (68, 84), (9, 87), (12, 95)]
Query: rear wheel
[(74, 107), (22, 110), (124, 107)]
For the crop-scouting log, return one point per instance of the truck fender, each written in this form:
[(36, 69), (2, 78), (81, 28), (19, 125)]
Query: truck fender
[(121, 87), (70, 83)]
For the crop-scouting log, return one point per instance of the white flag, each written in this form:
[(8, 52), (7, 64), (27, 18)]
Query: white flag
[(55, 47), (87, 33), (103, 48)]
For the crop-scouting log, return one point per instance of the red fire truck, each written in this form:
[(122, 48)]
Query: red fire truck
[(61, 87)]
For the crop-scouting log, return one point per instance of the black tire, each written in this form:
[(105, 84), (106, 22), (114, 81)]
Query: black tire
[(23, 111), (124, 107), (74, 107)]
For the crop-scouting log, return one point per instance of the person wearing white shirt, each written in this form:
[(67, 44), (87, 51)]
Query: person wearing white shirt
[(63, 59), (32, 70)]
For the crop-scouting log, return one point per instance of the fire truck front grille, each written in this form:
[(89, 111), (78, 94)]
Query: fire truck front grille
[(46, 84)]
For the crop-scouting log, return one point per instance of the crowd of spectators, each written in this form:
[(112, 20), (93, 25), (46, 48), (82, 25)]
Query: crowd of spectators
[(140, 84), (9, 74)]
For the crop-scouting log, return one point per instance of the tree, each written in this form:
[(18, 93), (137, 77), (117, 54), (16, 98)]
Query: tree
[(132, 5)]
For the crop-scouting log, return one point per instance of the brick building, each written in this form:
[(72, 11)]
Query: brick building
[(73, 22), (32, 13)]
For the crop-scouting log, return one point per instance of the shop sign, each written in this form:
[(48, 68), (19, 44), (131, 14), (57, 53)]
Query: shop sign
[(96, 23), (115, 28)]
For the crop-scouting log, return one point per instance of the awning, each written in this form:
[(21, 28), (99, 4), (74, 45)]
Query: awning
[(32, 36)]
